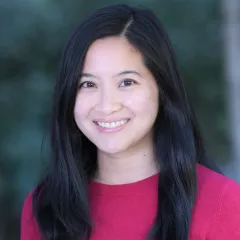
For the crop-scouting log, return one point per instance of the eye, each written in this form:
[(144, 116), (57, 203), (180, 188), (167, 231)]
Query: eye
[(127, 83), (87, 85)]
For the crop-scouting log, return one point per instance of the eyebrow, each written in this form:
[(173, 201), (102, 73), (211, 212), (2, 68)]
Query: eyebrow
[(87, 75), (128, 72), (117, 75)]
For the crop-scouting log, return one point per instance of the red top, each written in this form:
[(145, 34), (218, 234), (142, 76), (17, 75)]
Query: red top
[(127, 211)]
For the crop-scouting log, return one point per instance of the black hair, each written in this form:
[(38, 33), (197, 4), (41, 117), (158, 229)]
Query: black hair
[(60, 201)]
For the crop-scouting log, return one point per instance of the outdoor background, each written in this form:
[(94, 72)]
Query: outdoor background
[(32, 35)]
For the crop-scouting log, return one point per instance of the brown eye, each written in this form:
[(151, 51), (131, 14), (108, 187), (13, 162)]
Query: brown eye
[(127, 83), (87, 85)]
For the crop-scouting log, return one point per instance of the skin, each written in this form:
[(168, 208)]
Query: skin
[(107, 92)]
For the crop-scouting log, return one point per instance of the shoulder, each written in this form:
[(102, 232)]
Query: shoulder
[(27, 213), (226, 223), (216, 185), (208, 176), (29, 227), (217, 208)]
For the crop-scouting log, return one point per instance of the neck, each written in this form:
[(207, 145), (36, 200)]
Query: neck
[(126, 167)]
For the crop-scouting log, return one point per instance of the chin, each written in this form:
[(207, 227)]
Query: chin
[(112, 149)]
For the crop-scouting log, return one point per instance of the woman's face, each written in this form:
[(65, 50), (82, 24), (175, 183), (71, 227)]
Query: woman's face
[(117, 100)]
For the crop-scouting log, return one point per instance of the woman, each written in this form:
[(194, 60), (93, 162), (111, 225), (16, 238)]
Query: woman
[(128, 161)]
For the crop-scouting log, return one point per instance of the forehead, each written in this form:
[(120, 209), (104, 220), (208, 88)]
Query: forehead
[(112, 54)]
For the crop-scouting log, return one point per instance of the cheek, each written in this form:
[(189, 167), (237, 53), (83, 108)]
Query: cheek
[(81, 108), (143, 103)]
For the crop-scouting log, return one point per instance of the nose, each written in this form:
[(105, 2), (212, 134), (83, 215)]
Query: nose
[(108, 103)]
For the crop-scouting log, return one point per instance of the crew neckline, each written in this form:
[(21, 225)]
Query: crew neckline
[(138, 187)]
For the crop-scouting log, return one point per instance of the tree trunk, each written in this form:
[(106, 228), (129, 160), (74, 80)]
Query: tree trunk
[(231, 30)]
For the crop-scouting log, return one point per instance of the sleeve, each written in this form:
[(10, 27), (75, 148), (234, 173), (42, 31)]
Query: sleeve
[(29, 227), (226, 224)]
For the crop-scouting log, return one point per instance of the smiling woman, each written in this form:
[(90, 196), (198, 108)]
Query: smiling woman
[(117, 94), (128, 160)]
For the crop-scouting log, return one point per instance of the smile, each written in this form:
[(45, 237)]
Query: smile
[(111, 125)]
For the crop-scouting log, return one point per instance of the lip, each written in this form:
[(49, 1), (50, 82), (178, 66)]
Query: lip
[(110, 130), (109, 121)]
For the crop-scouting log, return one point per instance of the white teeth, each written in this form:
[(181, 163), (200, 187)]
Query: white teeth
[(112, 124)]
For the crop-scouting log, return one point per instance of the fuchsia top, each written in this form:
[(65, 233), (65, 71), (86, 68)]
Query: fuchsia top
[(127, 211)]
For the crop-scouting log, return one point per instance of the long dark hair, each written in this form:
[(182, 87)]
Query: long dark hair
[(60, 201)]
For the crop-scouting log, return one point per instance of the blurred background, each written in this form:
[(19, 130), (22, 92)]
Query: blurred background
[(205, 35)]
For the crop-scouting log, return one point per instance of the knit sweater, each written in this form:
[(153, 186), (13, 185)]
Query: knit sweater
[(127, 211)]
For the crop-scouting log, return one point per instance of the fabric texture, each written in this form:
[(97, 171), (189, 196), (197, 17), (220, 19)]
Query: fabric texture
[(127, 211)]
